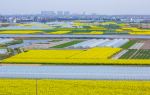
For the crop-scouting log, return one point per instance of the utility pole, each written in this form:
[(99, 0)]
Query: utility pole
[(36, 87)]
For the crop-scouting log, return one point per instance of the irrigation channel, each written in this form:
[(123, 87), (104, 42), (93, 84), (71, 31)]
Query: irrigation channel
[(76, 72), (76, 36)]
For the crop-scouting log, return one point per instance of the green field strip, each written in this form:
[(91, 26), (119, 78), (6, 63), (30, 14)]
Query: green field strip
[(67, 44), (129, 44)]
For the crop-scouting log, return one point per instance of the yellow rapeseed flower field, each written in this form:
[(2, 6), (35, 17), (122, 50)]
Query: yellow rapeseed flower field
[(131, 29), (97, 53), (119, 30), (59, 32), (140, 33), (107, 23), (97, 32), (20, 32), (90, 56), (47, 54), (79, 23), (93, 32), (17, 87), (78, 61), (73, 87)]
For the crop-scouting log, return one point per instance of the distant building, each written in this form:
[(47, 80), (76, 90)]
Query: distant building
[(1, 18), (12, 20), (48, 13), (60, 13), (66, 13)]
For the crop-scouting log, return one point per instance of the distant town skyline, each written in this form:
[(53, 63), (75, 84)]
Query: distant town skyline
[(101, 7)]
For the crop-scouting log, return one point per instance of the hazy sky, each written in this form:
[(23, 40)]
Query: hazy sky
[(89, 6)]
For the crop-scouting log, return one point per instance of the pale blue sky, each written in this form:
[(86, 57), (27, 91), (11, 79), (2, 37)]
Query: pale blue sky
[(107, 7)]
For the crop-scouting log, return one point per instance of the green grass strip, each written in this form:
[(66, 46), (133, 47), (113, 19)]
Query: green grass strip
[(129, 44), (67, 44)]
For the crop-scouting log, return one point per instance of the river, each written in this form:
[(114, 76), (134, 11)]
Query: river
[(77, 72), (76, 36)]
